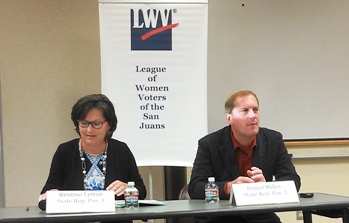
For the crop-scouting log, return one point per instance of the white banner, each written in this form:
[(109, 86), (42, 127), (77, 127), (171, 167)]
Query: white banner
[(154, 70)]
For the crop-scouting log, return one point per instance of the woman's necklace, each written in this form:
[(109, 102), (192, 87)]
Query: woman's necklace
[(100, 158)]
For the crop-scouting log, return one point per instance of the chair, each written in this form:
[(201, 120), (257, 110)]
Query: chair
[(183, 194)]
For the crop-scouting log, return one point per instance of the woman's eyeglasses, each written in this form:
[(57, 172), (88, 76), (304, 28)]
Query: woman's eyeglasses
[(85, 124)]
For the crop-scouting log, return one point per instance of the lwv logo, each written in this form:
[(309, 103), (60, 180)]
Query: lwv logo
[(151, 29)]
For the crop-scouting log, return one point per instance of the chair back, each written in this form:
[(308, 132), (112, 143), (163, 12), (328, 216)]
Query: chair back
[(183, 194)]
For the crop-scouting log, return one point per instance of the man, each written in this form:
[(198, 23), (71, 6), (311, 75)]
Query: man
[(241, 152)]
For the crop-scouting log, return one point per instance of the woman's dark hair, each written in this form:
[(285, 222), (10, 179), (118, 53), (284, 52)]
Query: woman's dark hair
[(88, 102)]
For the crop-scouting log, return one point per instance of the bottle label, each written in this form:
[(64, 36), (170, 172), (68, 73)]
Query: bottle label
[(211, 193), (131, 200)]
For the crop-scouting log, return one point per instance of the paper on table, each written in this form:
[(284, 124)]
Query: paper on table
[(150, 202), (121, 203)]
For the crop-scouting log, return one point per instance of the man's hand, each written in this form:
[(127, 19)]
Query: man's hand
[(238, 180), (256, 174), (253, 176)]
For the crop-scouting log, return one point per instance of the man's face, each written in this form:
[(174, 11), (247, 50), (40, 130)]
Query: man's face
[(244, 119)]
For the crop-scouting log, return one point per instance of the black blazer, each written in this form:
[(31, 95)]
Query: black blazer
[(216, 157)]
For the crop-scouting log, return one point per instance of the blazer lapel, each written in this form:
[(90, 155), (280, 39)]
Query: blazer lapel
[(228, 153), (259, 151)]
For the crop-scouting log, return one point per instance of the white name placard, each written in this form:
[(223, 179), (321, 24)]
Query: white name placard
[(80, 201), (275, 192)]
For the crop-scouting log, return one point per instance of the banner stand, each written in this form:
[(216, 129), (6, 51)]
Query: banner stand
[(175, 179)]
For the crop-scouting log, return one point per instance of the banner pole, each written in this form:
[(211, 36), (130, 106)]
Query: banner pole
[(150, 176)]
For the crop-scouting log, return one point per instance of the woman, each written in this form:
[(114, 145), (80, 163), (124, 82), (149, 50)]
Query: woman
[(94, 161)]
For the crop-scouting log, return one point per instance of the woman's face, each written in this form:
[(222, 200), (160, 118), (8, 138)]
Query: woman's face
[(91, 136)]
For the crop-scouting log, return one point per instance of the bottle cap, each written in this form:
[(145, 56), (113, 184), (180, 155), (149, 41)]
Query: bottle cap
[(131, 183), (211, 179)]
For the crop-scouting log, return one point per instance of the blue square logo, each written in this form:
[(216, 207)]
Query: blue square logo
[(151, 29)]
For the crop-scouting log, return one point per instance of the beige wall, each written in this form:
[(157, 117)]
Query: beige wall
[(50, 56), (325, 175)]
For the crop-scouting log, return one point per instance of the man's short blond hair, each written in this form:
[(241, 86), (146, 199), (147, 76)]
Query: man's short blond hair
[(230, 101)]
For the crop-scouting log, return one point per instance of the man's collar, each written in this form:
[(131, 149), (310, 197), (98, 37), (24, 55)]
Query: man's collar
[(236, 144)]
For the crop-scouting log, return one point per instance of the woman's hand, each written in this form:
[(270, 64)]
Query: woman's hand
[(43, 196), (118, 187)]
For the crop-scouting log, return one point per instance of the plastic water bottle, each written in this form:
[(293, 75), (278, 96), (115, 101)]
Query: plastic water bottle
[(211, 191), (131, 196)]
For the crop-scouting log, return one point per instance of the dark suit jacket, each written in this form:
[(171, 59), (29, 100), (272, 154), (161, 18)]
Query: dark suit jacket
[(216, 157)]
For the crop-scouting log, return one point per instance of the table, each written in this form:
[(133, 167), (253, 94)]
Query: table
[(181, 208)]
